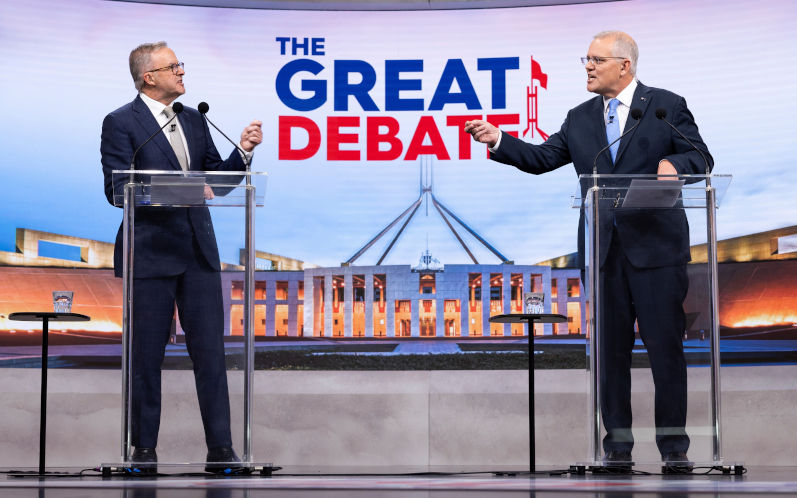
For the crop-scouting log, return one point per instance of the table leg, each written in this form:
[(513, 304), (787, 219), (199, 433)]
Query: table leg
[(43, 404), (532, 439)]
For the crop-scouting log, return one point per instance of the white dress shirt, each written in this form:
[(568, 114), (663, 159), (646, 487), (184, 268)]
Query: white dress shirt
[(156, 108)]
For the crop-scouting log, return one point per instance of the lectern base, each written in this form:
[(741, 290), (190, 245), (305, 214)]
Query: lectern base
[(581, 468), (126, 469)]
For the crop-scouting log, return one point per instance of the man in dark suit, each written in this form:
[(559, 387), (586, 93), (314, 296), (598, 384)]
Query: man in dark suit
[(644, 252), (176, 257)]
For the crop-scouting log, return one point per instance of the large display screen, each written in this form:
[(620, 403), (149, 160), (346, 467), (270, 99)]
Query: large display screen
[(353, 102)]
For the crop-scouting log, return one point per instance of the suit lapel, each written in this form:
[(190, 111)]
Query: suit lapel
[(147, 121), (598, 122), (640, 101)]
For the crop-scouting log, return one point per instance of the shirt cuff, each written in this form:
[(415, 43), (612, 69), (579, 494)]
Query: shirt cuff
[(497, 142), (246, 156)]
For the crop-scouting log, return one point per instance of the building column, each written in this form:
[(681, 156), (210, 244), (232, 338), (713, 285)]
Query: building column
[(369, 303), (309, 303), (390, 306), (439, 308), (485, 304), (464, 304), (293, 308), (415, 316), (271, 307), (328, 304), (348, 302), (506, 291)]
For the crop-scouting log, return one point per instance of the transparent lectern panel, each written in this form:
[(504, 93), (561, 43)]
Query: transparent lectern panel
[(186, 189), (652, 191), (702, 382), (224, 195)]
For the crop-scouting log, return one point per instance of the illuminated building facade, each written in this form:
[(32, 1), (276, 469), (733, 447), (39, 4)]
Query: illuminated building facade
[(757, 281), (399, 301)]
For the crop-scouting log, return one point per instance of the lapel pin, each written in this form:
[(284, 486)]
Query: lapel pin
[(643, 99)]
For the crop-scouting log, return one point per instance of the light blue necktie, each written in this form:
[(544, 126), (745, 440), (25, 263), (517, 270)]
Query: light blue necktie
[(613, 127)]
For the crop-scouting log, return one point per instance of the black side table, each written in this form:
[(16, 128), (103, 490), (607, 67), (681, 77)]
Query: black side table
[(45, 318), (530, 319)]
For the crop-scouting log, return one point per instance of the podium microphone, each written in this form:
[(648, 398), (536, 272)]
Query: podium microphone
[(203, 109), (635, 114), (177, 107), (662, 114)]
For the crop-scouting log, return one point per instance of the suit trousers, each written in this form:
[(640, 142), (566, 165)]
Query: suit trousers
[(653, 297), (197, 294)]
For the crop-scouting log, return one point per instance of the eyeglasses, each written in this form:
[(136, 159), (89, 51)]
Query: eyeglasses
[(598, 60), (176, 67)]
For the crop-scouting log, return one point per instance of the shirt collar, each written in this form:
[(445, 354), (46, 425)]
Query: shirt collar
[(626, 97), (154, 106)]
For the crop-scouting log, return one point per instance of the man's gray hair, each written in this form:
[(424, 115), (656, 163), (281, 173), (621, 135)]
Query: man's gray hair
[(140, 59), (624, 46)]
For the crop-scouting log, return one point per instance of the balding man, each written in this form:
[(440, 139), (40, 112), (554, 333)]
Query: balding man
[(643, 253), (176, 257)]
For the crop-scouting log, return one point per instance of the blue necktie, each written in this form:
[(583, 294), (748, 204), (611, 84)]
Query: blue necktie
[(613, 127)]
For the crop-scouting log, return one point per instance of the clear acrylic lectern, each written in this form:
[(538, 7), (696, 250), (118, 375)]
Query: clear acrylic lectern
[(601, 197), (156, 188)]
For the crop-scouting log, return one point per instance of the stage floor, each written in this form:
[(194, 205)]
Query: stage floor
[(756, 482)]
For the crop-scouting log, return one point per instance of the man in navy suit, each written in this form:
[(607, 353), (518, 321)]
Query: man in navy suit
[(176, 257), (643, 252)]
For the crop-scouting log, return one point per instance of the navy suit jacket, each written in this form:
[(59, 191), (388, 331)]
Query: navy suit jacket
[(650, 238), (163, 236)]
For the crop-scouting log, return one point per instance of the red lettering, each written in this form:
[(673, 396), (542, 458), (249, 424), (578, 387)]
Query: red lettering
[(502, 119), (464, 139), (426, 127), (335, 138), (374, 138), (286, 126)]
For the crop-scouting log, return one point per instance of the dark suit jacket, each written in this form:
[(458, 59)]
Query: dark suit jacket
[(650, 238), (163, 236)]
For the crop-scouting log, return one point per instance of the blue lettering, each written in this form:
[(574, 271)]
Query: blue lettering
[(318, 87), (283, 40), (498, 66), (394, 85), (454, 71), (318, 46), (344, 89)]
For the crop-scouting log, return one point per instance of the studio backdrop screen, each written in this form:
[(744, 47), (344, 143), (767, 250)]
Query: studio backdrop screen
[(352, 103)]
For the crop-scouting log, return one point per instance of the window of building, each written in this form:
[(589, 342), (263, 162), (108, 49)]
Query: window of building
[(452, 318), (496, 302), (475, 304), (427, 318), (403, 318), (318, 307), (282, 291), (573, 289), (338, 293), (237, 290), (281, 322), (380, 308), (427, 283)]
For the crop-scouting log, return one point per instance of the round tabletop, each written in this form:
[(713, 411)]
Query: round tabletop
[(528, 317), (37, 316)]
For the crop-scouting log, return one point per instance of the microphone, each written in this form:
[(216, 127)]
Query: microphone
[(662, 114), (203, 109), (635, 114), (177, 107)]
